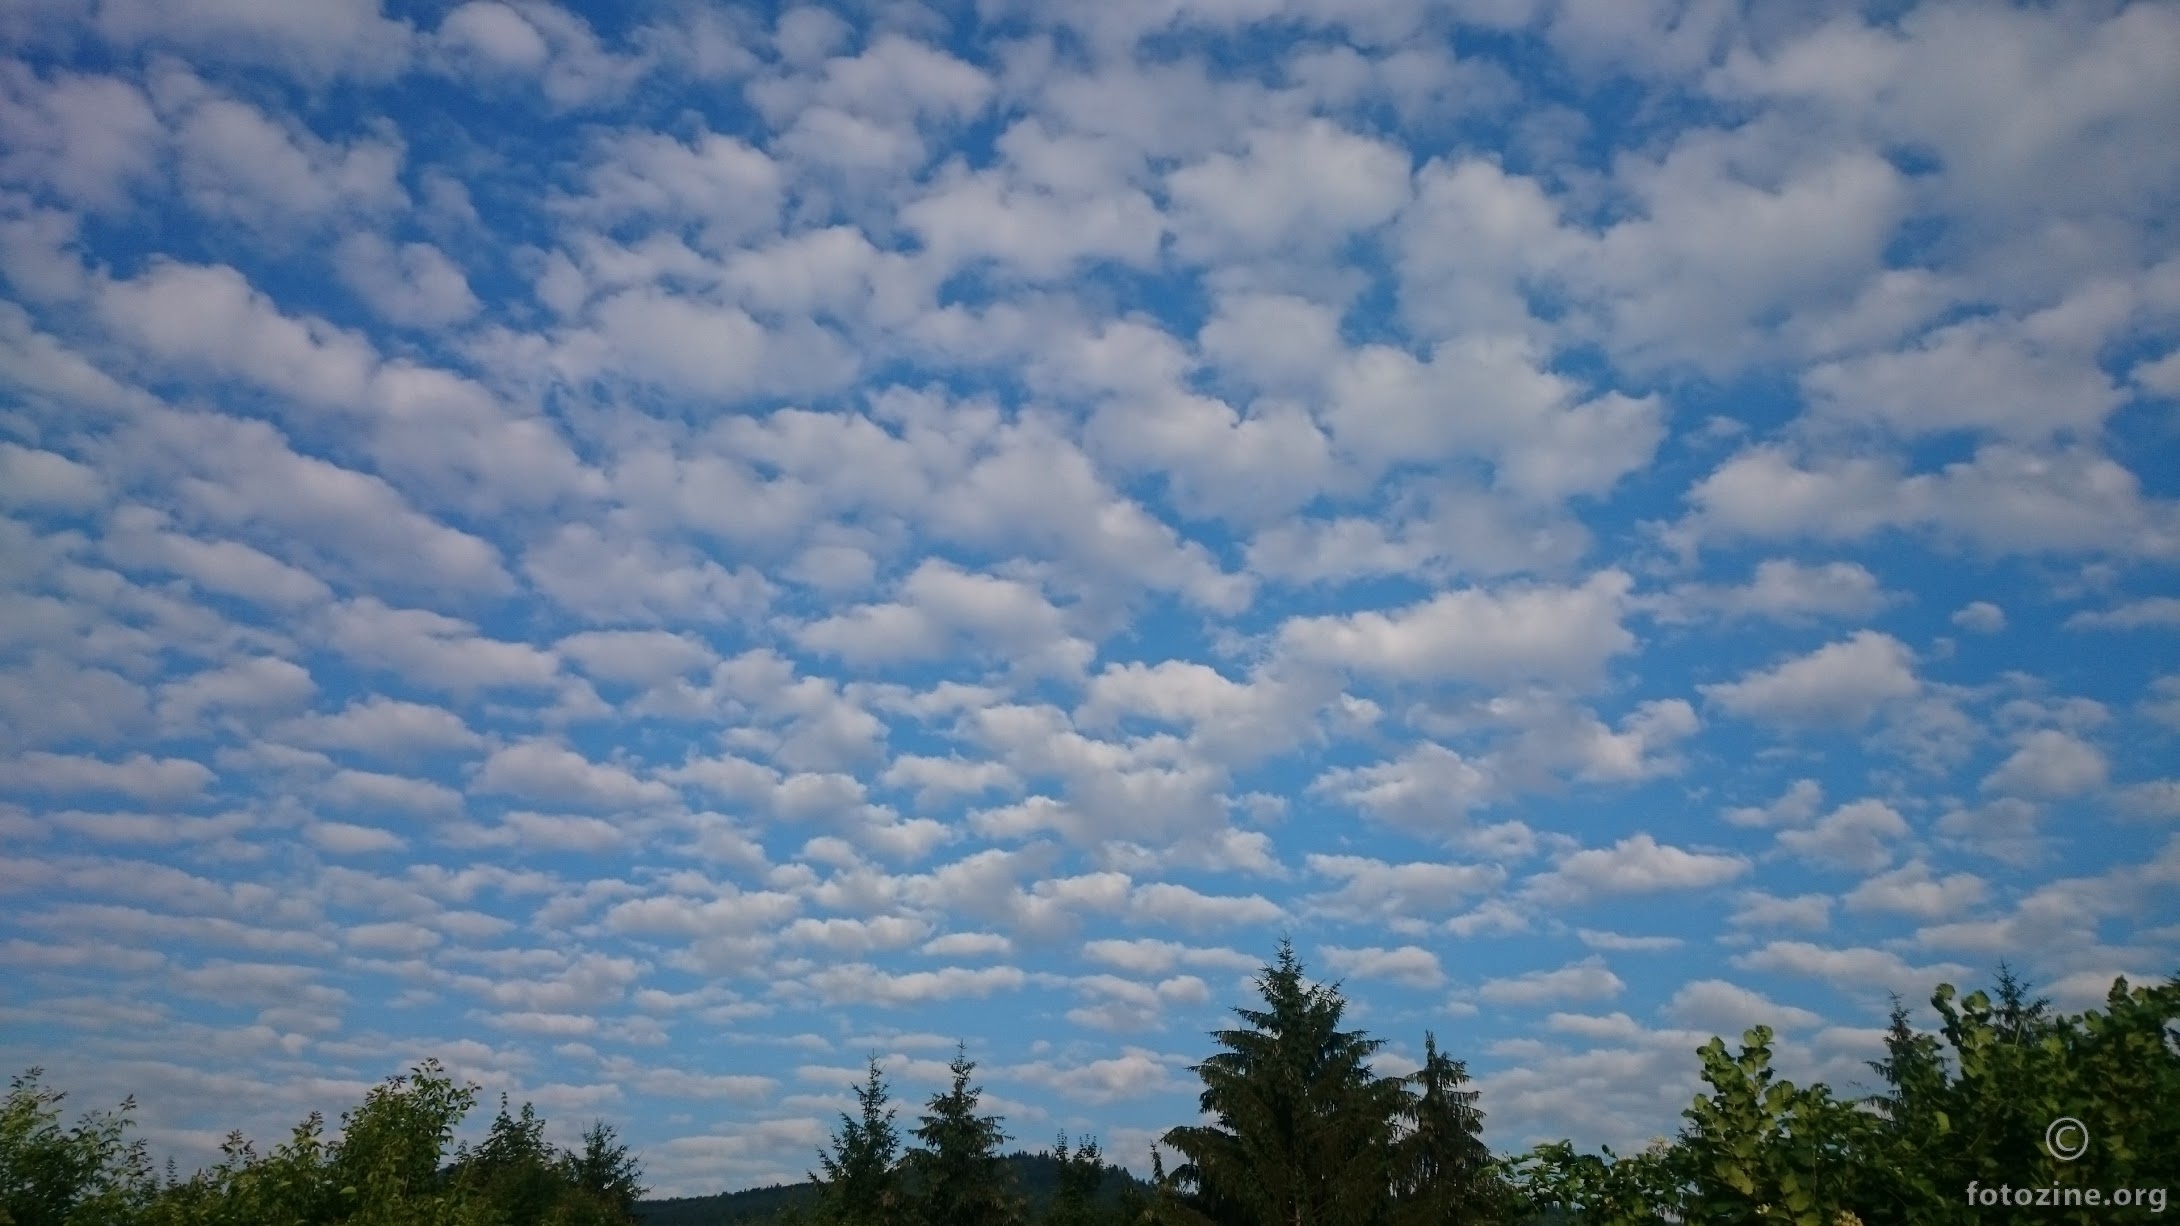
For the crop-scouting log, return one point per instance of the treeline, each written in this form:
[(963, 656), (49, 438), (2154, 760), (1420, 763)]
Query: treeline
[(389, 1167), (2011, 1112), (1303, 1131)]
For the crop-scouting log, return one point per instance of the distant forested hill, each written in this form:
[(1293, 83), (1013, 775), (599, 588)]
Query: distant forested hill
[(1036, 1176)]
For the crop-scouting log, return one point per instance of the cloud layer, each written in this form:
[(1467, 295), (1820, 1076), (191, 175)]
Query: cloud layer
[(651, 557)]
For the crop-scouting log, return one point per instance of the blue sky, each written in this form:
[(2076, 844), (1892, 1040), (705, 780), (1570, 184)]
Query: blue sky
[(654, 552)]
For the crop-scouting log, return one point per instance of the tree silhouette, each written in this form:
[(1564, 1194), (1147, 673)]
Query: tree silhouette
[(860, 1186), (959, 1180), (1302, 1130)]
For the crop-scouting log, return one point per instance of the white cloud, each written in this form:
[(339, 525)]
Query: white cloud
[(2163, 702), (1856, 836), (1856, 969), (354, 790), (1377, 889), (857, 983), (2155, 798), (261, 170), (635, 657), (1428, 788), (1135, 1073), (89, 140), (1980, 616), (139, 776), (257, 686), (1545, 442), (1996, 376), (968, 945), (945, 610), (433, 650), (1235, 721), (1614, 942), (1148, 956), (1276, 342), (2004, 829), (414, 285), (2153, 611), (1512, 634), (726, 186), (1410, 965), (1796, 806), (1308, 185), (535, 41), (210, 317), (136, 539), (1840, 684), (1914, 890), (541, 771), (1638, 864), (1589, 979), (2004, 500), (2049, 765), (1030, 231), (383, 727), (315, 38), (1185, 908), (1728, 1009), (321, 517), (1785, 590), (349, 839), (496, 33), (604, 579)]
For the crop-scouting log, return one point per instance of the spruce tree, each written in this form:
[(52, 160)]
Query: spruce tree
[(1082, 1172), (958, 1177), (514, 1167), (1442, 1169), (860, 1187), (1302, 1130), (604, 1173)]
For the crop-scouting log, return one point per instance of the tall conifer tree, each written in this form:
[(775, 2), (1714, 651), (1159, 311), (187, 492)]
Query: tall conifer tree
[(959, 1179), (1302, 1130), (860, 1185)]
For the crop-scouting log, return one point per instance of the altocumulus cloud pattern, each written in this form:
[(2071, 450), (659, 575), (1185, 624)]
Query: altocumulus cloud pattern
[(654, 551)]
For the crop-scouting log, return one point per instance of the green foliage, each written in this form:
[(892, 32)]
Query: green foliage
[(1443, 1173), (957, 1176), (529, 1182), (1082, 1170), (386, 1169), (606, 1179), (860, 1186), (88, 1175), (1303, 1131), (1968, 1106)]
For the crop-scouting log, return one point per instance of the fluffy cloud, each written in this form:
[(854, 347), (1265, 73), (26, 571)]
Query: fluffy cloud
[(2049, 765), (1840, 684), (1855, 836), (1409, 964), (1855, 968), (1588, 979), (536, 770), (1476, 634), (1728, 1009), (139, 776), (1638, 864)]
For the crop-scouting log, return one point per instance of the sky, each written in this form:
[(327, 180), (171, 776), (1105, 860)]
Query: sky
[(656, 552)]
